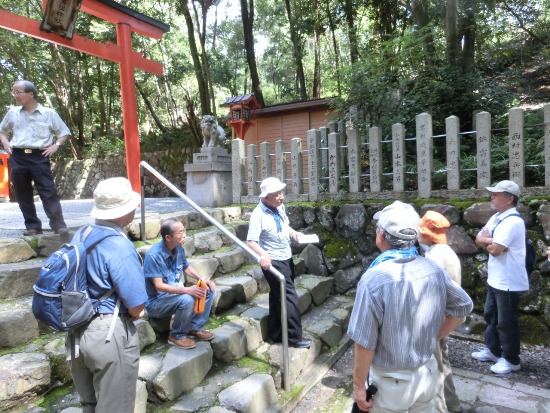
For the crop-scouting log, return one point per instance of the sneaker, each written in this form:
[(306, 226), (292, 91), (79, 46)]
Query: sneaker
[(503, 366), (184, 342), (484, 354), (203, 335)]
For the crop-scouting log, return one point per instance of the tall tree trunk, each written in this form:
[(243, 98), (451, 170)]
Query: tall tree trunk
[(297, 52), (247, 17), (419, 11), (101, 98), (451, 32), (199, 70), (317, 63), (201, 30), (63, 96), (335, 47), (150, 107), (350, 12), (167, 95), (468, 54), (79, 112)]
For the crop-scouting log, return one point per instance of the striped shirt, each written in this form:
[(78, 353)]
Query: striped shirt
[(399, 309)]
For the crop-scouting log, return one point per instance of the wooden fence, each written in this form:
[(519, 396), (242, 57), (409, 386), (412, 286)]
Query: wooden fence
[(341, 163)]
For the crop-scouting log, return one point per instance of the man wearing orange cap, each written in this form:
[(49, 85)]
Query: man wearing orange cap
[(433, 227)]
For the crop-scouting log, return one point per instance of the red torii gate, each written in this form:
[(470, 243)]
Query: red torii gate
[(126, 21)]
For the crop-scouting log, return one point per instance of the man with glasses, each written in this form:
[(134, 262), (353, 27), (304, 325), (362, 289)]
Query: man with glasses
[(504, 238), (32, 128), (270, 235), (164, 267)]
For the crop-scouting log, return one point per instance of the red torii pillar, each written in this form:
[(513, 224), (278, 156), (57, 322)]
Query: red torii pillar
[(126, 21)]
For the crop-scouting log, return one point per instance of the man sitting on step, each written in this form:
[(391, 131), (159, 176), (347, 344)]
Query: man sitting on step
[(164, 266)]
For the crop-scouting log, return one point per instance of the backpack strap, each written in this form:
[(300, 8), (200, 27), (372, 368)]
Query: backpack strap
[(90, 240), (498, 223)]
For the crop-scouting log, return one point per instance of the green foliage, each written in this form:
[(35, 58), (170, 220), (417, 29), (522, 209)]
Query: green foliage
[(105, 146), (172, 138)]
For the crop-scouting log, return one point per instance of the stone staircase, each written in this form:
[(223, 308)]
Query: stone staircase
[(236, 372)]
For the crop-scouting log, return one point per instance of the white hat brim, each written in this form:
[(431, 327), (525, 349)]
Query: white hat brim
[(119, 211)]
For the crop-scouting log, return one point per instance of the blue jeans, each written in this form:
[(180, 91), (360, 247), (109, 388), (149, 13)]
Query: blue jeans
[(181, 306), (501, 315)]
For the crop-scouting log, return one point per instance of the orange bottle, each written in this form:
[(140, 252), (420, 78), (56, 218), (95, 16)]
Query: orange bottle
[(199, 302)]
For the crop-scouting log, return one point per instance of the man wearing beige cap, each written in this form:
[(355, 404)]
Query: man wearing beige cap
[(504, 238), (402, 307), (433, 236), (270, 235), (105, 352)]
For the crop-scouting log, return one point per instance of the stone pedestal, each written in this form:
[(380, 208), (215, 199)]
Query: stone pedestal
[(209, 178)]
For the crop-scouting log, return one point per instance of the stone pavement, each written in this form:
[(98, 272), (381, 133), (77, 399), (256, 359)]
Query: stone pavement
[(77, 213), (479, 393)]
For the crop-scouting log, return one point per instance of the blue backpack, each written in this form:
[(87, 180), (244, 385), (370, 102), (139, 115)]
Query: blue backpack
[(61, 298)]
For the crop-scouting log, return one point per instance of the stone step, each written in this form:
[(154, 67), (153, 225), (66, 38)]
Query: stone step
[(173, 375), (236, 371)]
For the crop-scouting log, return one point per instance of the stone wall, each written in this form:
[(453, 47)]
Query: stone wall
[(348, 247), (77, 179)]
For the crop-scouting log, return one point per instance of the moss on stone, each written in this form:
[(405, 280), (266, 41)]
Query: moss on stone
[(215, 321), (478, 329), (51, 400), (291, 394), (338, 247), (256, 363), (533, 330)]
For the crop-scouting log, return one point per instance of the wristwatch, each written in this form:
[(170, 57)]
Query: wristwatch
[(58, 144)]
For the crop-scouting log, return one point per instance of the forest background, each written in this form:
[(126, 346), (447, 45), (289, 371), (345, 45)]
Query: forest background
[(392, 59)]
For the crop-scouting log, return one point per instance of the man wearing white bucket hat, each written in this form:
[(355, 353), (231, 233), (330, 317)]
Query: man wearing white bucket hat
[(105, 372), (270, 235)]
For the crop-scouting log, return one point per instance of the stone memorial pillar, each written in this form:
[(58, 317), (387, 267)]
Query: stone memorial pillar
[(209, 178)]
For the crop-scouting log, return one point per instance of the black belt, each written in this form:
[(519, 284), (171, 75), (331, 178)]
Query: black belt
[(27, 151)]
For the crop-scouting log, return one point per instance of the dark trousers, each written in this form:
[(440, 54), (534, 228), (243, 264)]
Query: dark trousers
[(501, 315), (26, 168), (294, 320)]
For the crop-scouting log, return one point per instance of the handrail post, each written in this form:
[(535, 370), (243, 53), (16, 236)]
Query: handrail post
[(246, 248), (142, 225)]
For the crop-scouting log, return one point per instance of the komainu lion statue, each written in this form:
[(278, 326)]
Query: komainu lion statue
[(213, 134)]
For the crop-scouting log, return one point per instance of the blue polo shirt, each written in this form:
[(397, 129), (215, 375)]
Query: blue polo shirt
[(115, 263), (161, 263)]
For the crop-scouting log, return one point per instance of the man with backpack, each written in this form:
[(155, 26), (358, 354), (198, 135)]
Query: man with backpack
[(105, 369), (504, 238)]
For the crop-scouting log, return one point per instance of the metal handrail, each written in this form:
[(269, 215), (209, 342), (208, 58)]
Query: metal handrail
[(246, 248)]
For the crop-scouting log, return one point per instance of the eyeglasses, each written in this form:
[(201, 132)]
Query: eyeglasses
[(180, 233), (16, 92)]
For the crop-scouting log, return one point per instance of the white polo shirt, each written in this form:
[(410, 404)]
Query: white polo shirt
[(507, 271)]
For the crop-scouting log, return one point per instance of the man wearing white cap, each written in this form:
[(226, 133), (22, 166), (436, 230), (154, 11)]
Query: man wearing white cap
[(402, 307), (270, 235), (504, 238), (105, 372)]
